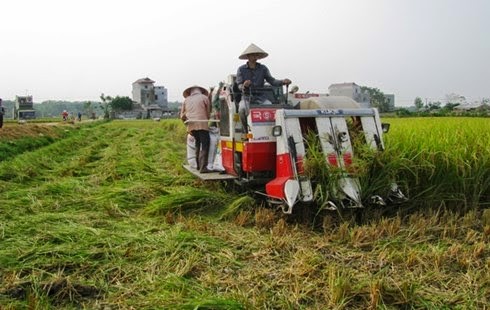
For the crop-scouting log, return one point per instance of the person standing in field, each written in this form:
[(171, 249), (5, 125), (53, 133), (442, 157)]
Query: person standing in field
[(195, 114), (251, 75), (2, 112), (64, 114)]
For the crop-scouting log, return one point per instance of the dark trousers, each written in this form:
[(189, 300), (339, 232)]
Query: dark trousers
[(1, 120), (202, 148)]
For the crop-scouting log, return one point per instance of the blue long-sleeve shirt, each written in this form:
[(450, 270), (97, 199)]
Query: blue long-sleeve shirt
[(257, 76)]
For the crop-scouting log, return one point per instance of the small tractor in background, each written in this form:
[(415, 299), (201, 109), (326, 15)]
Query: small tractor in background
[(270, 155)]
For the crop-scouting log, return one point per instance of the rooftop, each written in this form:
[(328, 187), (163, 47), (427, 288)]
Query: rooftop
[(343, 84), (144, 81)]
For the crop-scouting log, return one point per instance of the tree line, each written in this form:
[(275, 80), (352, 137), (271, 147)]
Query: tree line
[(107, 106)]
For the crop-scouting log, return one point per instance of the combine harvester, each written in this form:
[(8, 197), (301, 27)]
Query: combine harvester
[(269, 156)]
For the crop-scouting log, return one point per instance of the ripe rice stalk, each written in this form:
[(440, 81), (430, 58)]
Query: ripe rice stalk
[(237, 205), (375, 294), (485, 217), (212, 303), (448, 155), (244, 218), (374, 170), (265, 218), (400, 292), (339, 290)]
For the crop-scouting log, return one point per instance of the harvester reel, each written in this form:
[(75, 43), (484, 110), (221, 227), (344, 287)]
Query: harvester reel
[(396, 195), (377, 200), (329, 205)]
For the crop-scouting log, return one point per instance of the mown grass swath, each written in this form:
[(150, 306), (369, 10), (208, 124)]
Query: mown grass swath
[(15, 140), (107, 218)]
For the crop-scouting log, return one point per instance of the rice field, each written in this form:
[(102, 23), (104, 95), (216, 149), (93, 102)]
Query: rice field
[(444, 161), (105, 217)]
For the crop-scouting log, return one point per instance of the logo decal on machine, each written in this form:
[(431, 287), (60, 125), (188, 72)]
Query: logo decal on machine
[(263, 115), (305, 96)]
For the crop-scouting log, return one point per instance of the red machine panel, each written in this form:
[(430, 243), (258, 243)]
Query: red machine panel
[(259, 156)]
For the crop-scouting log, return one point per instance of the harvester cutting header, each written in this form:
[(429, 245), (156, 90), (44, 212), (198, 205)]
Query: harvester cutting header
[(268, 140)]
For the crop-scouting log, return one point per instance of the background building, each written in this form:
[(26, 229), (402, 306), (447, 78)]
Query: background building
[(351, 90), (24, 108), (161, 97), (390, 98), (144, 91), (149, 100)]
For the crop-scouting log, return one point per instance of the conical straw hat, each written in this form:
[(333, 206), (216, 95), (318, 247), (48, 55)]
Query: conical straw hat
[(187, 92), (253, 49)]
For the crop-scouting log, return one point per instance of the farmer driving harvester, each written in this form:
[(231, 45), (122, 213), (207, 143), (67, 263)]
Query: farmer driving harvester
[(252, 75)]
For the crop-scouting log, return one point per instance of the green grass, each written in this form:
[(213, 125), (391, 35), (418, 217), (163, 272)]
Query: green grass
[(107, 218)]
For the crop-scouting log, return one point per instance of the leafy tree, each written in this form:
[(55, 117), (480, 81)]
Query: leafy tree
[(53, 108), (105, 104), (378, 99), (434, 105), (403, 112), (450, 106), (9, 108), (419, 104), (118, 104), (455, 98), (88, 108)]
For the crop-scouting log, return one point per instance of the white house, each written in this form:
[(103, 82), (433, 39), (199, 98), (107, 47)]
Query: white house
[(144, 91), (351, 90)]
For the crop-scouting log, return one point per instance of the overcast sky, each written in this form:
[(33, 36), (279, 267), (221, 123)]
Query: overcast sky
[(76, 50)]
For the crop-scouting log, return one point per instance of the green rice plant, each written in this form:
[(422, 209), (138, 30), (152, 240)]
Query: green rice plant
[(445, 159), (323, 176), (371, 167), (187, 199), (376, 173)]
